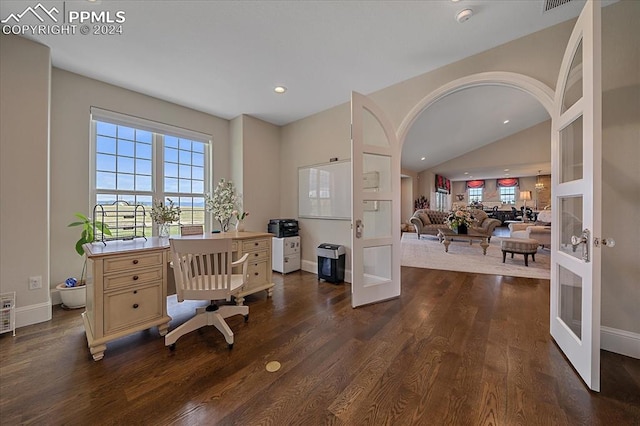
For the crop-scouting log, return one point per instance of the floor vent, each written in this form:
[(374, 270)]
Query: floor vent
[(552, 4)]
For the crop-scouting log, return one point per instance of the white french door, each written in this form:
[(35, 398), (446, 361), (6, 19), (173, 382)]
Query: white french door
[(375, 211), (576, 199)]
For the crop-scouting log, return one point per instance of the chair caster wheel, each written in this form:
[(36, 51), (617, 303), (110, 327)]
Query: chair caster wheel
[(246, 318), (172, 347), (230, 345)]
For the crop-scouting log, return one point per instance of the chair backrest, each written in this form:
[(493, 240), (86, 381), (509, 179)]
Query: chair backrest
[(202, 268), (544, 216)]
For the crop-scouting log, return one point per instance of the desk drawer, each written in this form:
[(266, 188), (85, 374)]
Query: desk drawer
[(255, 245), (126, 309), (257, 272), (132, 261), (255, 256), (133, 277)]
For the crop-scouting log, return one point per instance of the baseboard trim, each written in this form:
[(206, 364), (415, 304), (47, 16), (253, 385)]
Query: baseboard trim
[(620, 341), (55, 297), (33, 314), (309, 266)]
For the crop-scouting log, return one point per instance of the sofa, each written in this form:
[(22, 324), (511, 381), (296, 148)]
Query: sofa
[(540, 230), (428, 221)]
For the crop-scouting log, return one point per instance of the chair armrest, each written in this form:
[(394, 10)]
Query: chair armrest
[(417, 222), (243, 261), (518, 226), (539, 229)]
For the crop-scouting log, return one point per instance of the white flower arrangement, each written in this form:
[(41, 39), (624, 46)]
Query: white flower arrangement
[(222, 203), (459, 216), (165, 213)]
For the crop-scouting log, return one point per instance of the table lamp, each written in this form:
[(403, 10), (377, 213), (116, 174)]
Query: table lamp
[(525, 196)]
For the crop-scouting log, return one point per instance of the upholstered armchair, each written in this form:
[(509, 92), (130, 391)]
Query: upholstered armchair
[(540, 230)]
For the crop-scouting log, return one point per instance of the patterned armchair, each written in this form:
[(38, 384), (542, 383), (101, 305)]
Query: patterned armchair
[(540, 230)]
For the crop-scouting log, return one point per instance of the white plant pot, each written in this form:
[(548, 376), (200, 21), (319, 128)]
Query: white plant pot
[(72, 297)]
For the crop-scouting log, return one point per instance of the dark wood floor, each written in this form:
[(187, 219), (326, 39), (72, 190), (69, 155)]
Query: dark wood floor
[(455, 349)]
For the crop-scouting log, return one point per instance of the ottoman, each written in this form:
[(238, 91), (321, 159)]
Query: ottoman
[(525, 246)]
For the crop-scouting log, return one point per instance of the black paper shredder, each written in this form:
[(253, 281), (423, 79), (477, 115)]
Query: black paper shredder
[(331, 259)]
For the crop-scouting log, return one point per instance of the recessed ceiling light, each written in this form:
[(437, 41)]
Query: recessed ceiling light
[(280, 89), (506, 174), (506, 170), (466, 173), (423, 158), (505, 122)]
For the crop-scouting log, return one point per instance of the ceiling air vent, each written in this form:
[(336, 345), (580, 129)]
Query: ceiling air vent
[(552, 4)]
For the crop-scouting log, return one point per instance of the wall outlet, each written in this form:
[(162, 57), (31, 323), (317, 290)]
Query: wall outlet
[(35, 282)]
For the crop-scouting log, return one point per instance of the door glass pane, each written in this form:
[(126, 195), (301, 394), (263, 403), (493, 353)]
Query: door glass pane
[(377, 172), (571, 224), (377, 265), (373, 134), (377, 219), (570, 300), (571, 151), (573, 88)]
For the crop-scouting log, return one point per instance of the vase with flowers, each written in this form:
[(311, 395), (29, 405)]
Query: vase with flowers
[(459, 220), (222, 203), (164, 214), (240, 217)]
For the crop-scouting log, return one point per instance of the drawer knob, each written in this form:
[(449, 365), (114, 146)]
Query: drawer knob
[(135, 261), (256, 273), (135, 291), (135, 306), (135, 278), (255, 244), (256, 254)]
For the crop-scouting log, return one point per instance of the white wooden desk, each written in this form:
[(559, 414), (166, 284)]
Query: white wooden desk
[(127, 283)]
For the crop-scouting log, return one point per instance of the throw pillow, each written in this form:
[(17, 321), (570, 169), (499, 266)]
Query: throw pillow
[(424, 218), (479, 216)]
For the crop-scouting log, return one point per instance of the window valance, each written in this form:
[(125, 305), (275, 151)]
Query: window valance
[(507, 182), (475, 184)]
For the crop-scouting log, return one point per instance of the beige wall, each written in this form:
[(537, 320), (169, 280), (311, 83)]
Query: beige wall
[(539, 55), (25, 79), (72, 96), (620, 171), (315, 139), (260, 171)]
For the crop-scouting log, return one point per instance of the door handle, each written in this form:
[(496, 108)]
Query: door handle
[(583, 239), (359, 228), (609, 242)]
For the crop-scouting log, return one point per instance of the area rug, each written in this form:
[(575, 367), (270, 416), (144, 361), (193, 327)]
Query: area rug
[(428, 252)]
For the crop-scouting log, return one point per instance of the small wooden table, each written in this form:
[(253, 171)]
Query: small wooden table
[(446, 235)]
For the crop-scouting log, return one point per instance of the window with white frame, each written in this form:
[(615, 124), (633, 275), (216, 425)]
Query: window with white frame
[(475, 195), (139, 161), (508, 194)]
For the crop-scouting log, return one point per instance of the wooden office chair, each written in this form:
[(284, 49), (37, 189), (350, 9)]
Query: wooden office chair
[(203, 271)]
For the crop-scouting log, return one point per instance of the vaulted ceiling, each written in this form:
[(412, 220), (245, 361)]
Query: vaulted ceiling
[(226, 57)]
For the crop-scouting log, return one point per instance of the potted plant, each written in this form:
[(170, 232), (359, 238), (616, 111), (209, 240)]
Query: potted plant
[(72, 291)]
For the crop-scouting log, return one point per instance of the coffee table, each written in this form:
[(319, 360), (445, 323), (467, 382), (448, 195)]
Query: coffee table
[(446, 235)]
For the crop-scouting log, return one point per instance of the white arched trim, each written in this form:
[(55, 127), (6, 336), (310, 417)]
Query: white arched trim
[(543, 93)]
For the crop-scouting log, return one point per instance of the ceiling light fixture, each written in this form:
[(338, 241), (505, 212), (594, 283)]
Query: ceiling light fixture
[(539, 184), (280, 89), (505, 122), (423, 158), (464, 15)]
